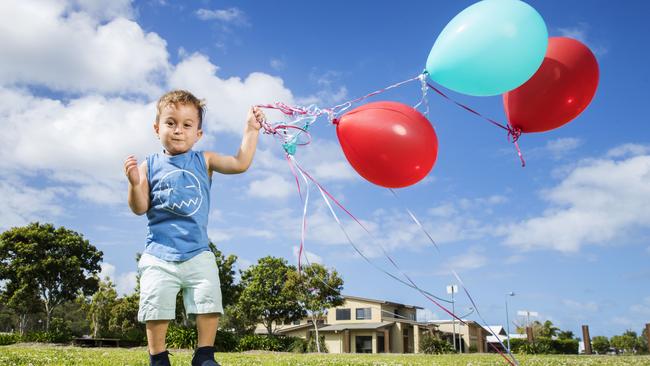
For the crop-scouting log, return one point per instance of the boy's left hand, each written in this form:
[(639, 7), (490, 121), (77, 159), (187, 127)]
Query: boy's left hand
[(255, 118)]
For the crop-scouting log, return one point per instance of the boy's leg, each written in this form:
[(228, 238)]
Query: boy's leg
[(202, 296), (206, 326), (156, 332)]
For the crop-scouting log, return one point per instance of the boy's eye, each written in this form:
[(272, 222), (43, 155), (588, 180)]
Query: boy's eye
[(187, 125)]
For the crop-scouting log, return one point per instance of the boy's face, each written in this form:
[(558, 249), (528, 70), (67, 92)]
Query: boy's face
[(178, 128)]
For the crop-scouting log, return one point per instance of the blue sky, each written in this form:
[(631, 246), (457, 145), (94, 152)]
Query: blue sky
[(569, 233)]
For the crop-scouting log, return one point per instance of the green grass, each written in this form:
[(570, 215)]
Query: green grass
[(43, 354)]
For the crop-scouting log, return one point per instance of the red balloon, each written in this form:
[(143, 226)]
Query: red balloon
[(558, 92), (388, 143)]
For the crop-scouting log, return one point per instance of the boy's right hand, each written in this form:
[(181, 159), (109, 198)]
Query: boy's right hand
[(131, 170)]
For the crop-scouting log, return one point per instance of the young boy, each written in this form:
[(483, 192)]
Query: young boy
[(173, 188)]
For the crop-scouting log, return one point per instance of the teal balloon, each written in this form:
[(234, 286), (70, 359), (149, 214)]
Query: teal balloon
[(489, 48)]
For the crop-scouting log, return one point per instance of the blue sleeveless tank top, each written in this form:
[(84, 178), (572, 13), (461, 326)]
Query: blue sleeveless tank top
[(179, 190)]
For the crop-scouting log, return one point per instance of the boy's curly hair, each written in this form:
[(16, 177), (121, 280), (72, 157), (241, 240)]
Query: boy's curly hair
[(182, 97)]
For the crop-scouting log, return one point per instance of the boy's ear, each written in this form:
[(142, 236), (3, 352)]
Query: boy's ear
[(199, 134), (156, 127)]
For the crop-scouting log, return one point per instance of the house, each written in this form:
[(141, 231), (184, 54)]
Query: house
[(499, 344), (470, 336), (364, 325)]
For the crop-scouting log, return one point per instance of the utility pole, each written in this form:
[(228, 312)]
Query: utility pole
[(586, 339), (451, 289), (507, 319)]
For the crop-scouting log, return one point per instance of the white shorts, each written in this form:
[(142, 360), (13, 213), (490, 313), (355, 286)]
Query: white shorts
[(161, 280)]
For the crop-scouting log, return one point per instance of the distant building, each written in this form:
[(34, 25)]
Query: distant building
[(470, 336), (364, 325), (494, 343)]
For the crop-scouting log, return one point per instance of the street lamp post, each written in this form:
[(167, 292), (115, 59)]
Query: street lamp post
[(507, 319), (451, 289)]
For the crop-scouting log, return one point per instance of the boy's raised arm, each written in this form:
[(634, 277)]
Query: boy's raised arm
[(244, 157), (138, 185)]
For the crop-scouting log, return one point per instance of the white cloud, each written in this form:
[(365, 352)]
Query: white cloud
[(72, 52), (272, 187), (219, 236), (278, 64), (474, 258), (124, 282), (307, 256), (643, 308), (596, 203), (324, 160), (329, 93), (580, 307), (627, 150), (560, 147), (580, 32), (23, 204), (230, 15), (104, 10), (228, 100), (82, 143)]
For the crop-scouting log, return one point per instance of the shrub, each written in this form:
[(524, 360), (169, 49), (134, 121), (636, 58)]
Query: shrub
[(60, 331), (226, 341), (181, 337), (434, 345), (297, 345), (8, 338), (311, 345), (40, 337), (259, 342), (543, 345)]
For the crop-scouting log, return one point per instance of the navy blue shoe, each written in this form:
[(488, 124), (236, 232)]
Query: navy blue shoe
[(159, 359), (204, 356)]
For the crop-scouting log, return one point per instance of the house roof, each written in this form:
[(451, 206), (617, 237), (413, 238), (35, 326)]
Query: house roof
[(296, 327), (496, 329), (383, 302), (350, 326), (493, 339)]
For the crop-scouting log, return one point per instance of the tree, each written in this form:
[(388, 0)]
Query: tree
[(565, 334), (229, 289), (100, 308), (23, 300), (124, 319), (548, 330), (318, 289), (265, 296), (53, 263), (600, 344), (642, 341), (625, 342)]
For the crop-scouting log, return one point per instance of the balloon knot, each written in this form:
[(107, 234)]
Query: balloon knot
[(335, 121), (514, 133)]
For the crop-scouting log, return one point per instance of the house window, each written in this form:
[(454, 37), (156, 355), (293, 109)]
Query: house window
[(343, 314), (363, 344), (363, 313)]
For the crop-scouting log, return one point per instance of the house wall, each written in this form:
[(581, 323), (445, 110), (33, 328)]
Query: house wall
[(353, 341), (388, 312), (353, 305), (334, 342), (472, 335), (300, 333)]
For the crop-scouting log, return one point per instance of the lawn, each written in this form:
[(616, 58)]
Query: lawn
[(43, 354)]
